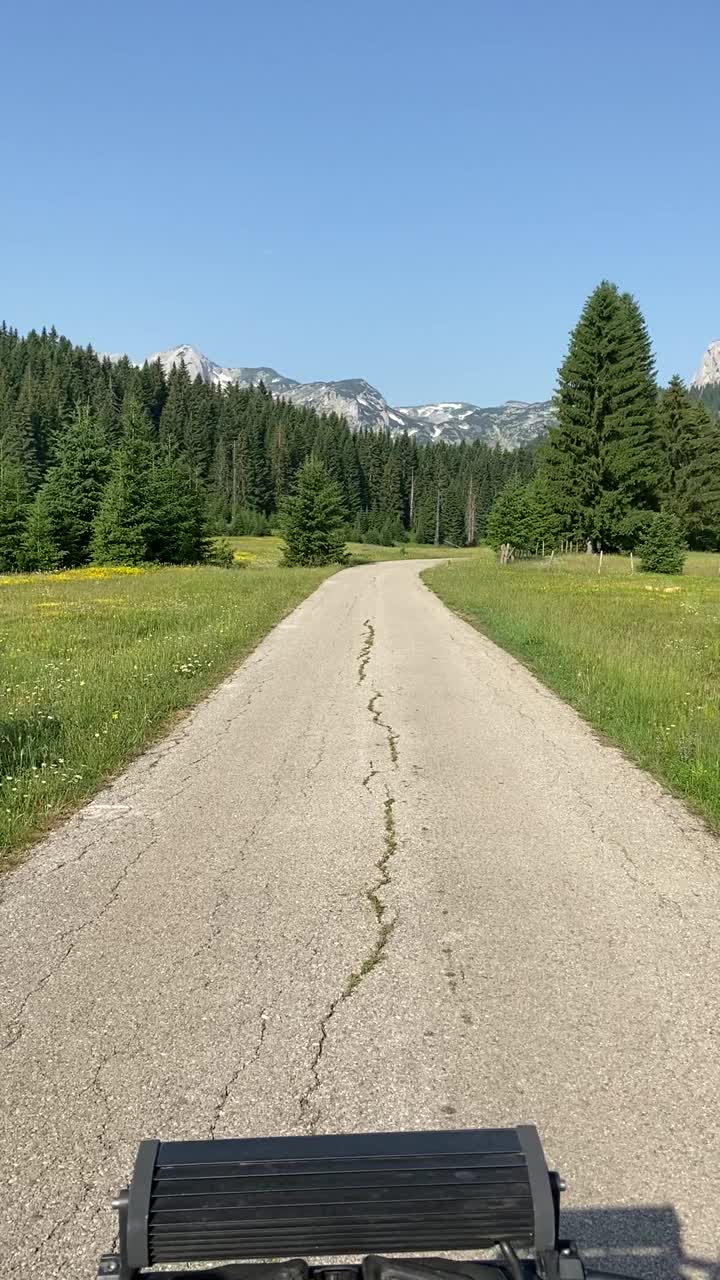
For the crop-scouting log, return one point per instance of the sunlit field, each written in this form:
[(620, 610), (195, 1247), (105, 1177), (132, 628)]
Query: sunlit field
[(97, 662), (264, 551), (637, 654)]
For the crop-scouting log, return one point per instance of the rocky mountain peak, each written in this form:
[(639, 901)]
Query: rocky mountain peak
[(709, 372)]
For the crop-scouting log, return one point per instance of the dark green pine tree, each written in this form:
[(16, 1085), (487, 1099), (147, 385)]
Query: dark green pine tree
[(678, 442), (485, 498), (702, 484), (392, 501), (280, 465), (75, 484), (176, 410), (312, 518), (508, 518), (327, 449), (150, 388), (601, 462), (353, 488), (199, 431), (261, 498), (179, 503), (454, 515), (125, 528), (14, 497), (425, 517), (39, 550)]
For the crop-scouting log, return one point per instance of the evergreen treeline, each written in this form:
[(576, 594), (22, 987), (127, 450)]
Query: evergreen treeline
[(622, 452), (120, 464)]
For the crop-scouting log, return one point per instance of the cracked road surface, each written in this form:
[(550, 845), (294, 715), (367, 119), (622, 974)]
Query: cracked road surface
[(381, 878)]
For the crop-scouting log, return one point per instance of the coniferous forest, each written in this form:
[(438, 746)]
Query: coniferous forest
[(108, 462)]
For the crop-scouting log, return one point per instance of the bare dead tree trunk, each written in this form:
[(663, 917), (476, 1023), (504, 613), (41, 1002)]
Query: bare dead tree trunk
[(412, 496), (470, 516), (437, 518), (234, 479)]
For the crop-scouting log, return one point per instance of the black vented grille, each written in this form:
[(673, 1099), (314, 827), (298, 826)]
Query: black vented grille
[(347, 1194)]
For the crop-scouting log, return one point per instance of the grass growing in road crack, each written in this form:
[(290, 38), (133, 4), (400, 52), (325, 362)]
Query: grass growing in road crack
[(97, 662), (638, 654), (392, 737), (366, 649), (385, 926)]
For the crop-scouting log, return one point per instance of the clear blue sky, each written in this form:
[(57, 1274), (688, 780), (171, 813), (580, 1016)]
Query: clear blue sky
[(420, 192)]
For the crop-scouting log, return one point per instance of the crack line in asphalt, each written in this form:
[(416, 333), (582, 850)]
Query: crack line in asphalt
[(242, 1066), (366, 649), (372, 773), (392, 737), (15, 1026), (384, 927)]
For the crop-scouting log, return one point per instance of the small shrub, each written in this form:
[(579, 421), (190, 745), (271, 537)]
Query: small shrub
[(221, 554), (249, 523), (662, 549)]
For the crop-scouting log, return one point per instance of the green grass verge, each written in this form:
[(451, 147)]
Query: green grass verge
[(259, 552), (637, 655), (96, 663)]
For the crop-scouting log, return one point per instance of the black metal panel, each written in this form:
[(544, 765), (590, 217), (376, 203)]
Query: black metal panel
[(341, 1146), (138, 1209), (348, 1193)]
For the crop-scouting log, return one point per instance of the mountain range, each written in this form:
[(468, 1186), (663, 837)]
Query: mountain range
[(508, 425)]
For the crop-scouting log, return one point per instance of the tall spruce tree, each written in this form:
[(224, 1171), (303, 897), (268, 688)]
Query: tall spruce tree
[(126, 525), (454, 516), (14, 497), (425, 517), (38, 547), (75, 484), (313, 519), (600, 465), (392, 501), (678, 429), (178, 498), (702, 484)]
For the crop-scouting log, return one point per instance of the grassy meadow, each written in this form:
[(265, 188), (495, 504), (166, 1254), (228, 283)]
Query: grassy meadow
[(97, 662), (267, 551), (637, 654)]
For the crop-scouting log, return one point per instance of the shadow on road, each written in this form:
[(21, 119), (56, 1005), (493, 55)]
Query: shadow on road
[(645, 1241)]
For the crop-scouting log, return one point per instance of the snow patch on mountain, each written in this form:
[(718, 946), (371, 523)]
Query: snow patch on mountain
[(508, 425), (365, 408)]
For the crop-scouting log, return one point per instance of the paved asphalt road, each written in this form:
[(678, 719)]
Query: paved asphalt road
[(381, 878)]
